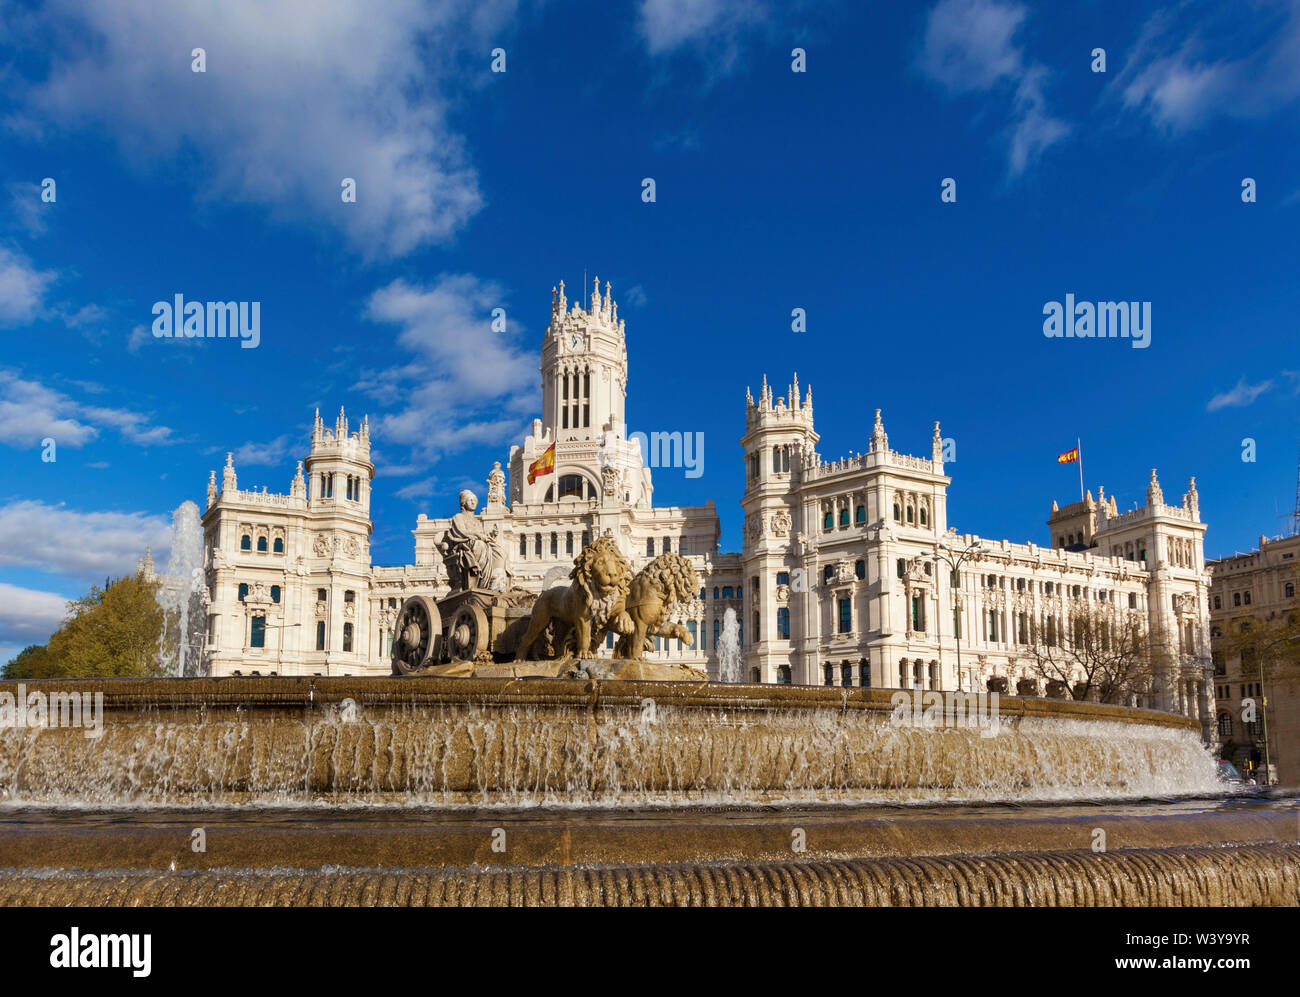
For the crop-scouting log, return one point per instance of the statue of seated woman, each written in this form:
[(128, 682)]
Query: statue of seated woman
[(474, 559)]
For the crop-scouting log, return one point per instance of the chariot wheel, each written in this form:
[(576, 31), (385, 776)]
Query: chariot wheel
[(468, 635), (417, 640)]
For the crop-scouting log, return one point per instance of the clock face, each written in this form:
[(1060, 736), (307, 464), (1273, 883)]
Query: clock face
[(575, 341)]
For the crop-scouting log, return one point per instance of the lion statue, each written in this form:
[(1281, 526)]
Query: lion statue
[(656, 592), (586, 609)]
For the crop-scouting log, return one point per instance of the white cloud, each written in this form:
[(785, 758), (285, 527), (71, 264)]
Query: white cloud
[(464, 384), (266, 454), (27, 616), (26, 208), (1241, 395), (22, 288), (970, 48), (670, 24), (84, 545), (378, 83), (30, 412), (1197, 62)]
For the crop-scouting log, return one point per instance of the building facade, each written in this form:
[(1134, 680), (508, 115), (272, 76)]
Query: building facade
[(838, 579), (1250, 592)]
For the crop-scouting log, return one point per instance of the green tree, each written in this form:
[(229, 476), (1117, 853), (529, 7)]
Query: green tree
[(32, 662), (111, 631)]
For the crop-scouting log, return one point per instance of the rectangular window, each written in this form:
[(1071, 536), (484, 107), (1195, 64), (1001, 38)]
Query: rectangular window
[(320, 635), (347, 637), (257, 632), (846, 615), (918, 614)]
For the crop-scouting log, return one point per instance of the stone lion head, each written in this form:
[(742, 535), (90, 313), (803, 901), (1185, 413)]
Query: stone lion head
[(604, 574), (673, 576)]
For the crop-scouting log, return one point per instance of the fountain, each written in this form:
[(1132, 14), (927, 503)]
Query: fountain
[(606, 784), (729, 667), (182, 594)]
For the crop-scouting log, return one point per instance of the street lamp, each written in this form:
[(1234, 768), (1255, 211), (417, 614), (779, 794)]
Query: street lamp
[(947, 555), (1263, 702)]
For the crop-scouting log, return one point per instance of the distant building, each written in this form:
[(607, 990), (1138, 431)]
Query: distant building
[(836, 582), (1247, 591)]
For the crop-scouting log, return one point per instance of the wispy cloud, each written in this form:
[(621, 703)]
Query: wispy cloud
[(1202, 61), (380, 88), (27, 616), (31, 411), (22, 288), (667, 25), (970, 47), (1241, 395), (76, 542), (464, 384)]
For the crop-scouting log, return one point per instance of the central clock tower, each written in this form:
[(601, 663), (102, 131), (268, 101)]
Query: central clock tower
[(584, 367), (584, 391)]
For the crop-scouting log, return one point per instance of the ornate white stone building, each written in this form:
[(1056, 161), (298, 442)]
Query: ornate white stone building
[(838, 580)]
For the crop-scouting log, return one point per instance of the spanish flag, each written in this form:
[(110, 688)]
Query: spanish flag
[(545, 464), (1069, 457)]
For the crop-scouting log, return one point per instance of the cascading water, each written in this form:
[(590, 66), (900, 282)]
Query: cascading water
[(729, 668), (183, 595)]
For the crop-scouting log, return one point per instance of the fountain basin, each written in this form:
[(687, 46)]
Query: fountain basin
[(519, 742)]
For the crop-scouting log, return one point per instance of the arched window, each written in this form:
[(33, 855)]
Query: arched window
[(278, 546), (898, 514), (571, 486), (715, 593), (275, 593), (911, 516), (550, 494), (924, 517), (860, 569), (860, 514), (828, 521), (783, 623), (844, 516), (261, 545), (717, 627), (245, 542)]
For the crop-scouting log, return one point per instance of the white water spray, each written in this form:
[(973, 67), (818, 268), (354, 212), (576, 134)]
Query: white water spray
[(183, 595), (729, 667)]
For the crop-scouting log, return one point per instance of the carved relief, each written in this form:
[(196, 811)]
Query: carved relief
[(781, 524)]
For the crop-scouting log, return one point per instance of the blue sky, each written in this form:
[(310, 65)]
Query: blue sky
[(775, 190)]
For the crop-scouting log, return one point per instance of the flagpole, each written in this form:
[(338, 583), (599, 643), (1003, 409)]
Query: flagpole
[(1078, 446)]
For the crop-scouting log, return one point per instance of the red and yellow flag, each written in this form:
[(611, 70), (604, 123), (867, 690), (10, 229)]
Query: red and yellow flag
[(545, 464), (1069, 457)]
